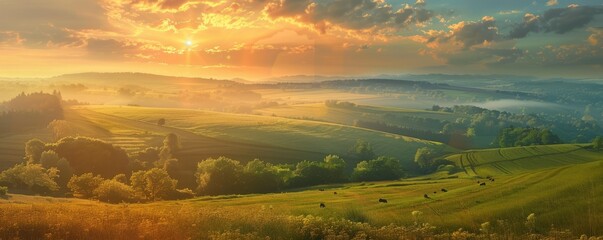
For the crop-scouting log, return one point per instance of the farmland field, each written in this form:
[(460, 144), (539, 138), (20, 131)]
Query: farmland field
[(522, 159), (319, 111), (302, 139)]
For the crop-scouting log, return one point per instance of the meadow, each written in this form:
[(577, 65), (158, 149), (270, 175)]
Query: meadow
[(564, 206), (522, 159), (270, 138)]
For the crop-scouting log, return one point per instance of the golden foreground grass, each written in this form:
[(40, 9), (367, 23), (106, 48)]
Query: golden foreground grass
[(566, 202)]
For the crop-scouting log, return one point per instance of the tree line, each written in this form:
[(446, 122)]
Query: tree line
[(28, 111), (90, 168)]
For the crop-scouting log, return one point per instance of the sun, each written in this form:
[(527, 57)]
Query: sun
[(188, 43)]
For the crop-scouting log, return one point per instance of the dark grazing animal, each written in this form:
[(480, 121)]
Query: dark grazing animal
[(382, 200), (482, 184), (444, 190), (334, 193), (434, 192), (492, 179), (426, 196), (322, 205)]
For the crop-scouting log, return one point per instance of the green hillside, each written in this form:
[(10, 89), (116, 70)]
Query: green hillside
[(241, 136), (568, 196), (522, 159), (390, 115)]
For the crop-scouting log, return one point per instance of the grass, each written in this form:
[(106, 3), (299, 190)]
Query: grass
[(567, 197), (248, 136), (318, 111), (521, 159)]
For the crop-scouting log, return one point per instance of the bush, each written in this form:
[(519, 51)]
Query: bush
[(154, 184), (32, 177), (112, 191), (381, 168), (85, 184), (3, 191), (88, 155)]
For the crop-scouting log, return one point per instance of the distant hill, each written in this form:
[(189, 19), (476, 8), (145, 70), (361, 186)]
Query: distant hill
[(138, 78)]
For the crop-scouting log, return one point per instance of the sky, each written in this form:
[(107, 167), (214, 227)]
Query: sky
[(256, 39)]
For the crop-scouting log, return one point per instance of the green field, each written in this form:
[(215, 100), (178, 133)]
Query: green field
[(241, 136), (522, 159), (318, 111), (569, 197)]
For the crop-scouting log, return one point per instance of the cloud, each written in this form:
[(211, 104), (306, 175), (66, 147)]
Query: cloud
[(41, 24), (557, 20), (349, 14), (596, 37), (529, 24), (468, 34), (509, 12), (9, 37), (562, 20), (162, 5), (551, 2)]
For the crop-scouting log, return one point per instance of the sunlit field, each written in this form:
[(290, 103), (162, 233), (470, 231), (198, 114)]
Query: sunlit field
[(555, 196)]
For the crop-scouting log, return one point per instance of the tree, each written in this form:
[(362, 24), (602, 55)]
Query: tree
[(89, 155), (363, 150), (121, 178), (261, 177), (153, 184), (172, 142), (85, 184), (424, 157), (31, 176), (336, 167), (161, 122), (598, 142), (308, 173), (33, 150), (49, 159), (3, 191), (113, 191), (61, 129), (219, 176), (171, 145), (381, 168), (65, 172)]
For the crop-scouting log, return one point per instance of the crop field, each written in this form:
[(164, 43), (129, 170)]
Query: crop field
[(556, 197), (12, 145), (308, 139), (521, 159)]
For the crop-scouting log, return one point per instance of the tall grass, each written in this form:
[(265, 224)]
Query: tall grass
[(176, 221)]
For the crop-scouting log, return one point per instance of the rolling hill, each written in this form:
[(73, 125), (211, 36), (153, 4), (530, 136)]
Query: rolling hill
[(522, 159), (244, 137), (569, 196)]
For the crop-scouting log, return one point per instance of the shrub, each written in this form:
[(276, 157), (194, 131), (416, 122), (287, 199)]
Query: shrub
[(154, 184), (382, 168), (85, 184), (32, 177), (113, 191), (3, 191), (88, 155)]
